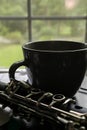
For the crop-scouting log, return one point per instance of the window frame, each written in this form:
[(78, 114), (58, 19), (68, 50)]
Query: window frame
[(29, 18)]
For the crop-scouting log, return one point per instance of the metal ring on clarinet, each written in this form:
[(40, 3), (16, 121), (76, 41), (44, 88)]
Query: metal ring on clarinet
[(56, 98)]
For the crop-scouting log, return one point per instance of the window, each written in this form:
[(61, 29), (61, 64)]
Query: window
[(26, 20)]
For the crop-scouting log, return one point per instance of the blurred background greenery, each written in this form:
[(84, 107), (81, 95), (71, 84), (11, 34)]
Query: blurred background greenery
[(14, 33)]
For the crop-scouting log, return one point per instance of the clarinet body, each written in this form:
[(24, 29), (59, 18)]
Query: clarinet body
[(35, 108)]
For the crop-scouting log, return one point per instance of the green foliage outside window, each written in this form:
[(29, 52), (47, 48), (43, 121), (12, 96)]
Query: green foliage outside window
[(43, 29), (16, 31)]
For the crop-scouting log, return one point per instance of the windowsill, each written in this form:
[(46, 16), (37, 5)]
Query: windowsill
[(20, 75)]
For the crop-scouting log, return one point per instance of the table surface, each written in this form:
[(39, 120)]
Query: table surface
[(81, 94)]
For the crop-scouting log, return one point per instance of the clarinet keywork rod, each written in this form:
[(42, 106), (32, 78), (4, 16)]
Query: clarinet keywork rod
[(73, 116), (59, 112)]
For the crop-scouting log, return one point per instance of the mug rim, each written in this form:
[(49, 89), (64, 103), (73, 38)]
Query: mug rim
[(54, 51)]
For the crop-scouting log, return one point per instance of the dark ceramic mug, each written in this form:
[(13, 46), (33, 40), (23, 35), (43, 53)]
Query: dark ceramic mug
[(54, 66)]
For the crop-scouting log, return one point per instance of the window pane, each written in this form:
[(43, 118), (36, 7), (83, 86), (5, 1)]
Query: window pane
[(59, 7), (12, 35), (68, 29), (13, 7), (9, 53), (15, 31)]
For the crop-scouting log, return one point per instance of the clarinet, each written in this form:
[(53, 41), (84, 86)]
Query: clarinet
[(25, 100)]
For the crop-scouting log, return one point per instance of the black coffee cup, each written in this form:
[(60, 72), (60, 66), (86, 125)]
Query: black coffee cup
[(54, 66)]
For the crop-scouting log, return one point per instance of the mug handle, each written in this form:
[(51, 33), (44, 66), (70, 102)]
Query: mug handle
[(14, 67)]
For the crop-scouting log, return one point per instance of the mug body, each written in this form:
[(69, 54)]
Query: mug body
[(55, 66)]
